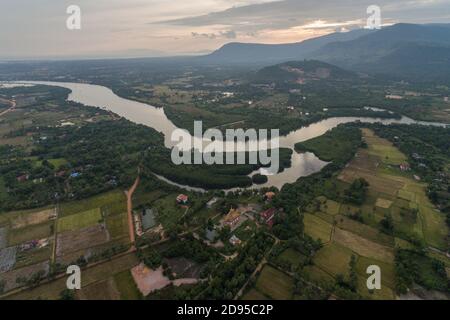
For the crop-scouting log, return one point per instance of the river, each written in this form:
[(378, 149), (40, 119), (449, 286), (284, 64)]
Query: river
[(303, 164)]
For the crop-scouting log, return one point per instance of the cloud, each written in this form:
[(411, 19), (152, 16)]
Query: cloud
[(293, 13), (179, 26), (230, 34)]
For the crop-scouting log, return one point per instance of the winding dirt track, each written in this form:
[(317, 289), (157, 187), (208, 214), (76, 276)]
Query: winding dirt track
[(129, 195), (13, 106)]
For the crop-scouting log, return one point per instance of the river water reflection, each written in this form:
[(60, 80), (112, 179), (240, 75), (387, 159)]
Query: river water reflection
[(303, 164)]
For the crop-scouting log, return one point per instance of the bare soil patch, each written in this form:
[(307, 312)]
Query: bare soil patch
[(148, 280), (27, 219), (71, 241)]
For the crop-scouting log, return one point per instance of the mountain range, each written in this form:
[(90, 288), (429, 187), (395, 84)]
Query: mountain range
[(414, 51)]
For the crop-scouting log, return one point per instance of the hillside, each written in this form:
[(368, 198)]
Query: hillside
[(420, 51), (272, 53), (302, 72)]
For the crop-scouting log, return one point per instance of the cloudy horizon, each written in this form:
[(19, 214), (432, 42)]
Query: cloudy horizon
[(31, 29)]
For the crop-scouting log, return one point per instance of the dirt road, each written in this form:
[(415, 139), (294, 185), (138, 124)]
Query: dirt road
[(13, 106), (129, 194)]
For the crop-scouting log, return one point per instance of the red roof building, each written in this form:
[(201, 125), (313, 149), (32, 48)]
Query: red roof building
[(182, 199), (23, 178), (268, 216)]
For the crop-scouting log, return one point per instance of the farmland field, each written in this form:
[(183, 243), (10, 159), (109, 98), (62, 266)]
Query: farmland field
[(111, 202), (362, 246), (33, 232), (292, 256), (126, 286), (117, 225), (91, 275), (317, 228), (25, 219), (254, 294), (394, 193), (78, 239), (79, 220), (275, 283), (101, 290), (334, 259)]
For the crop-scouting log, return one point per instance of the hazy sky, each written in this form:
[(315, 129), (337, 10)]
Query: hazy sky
[(113, 28)]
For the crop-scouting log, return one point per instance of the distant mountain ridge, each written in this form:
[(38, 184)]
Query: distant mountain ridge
[(236, 52), (421, 52), (374, 47)]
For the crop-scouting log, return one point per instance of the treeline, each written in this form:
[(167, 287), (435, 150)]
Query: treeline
[(338, 145), (413, 266), (205, 176)]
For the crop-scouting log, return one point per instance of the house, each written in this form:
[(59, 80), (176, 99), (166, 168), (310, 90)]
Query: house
[(268, 216), (148, 219), (232, 218), (75, 175), (138, 225), (394, 97), (211, 235), (268, 196), (235, 241), (211, 202), (182, 199), (60, 173), (405, 167), (23, 178)]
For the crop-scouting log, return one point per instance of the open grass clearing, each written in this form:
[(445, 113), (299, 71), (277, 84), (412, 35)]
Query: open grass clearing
[(110, 203), (383, 203), (385, 293), (275, 284), (292, 256), (75, 240), (317, 275), (79, 220), (101, 290), (330, 207), (333, 259), (362, 246), (387, 270), (126, 286), (434, 227), (253, 295), (364, 231), (117, 225), (317, 228), (33, 232), (32, 218)]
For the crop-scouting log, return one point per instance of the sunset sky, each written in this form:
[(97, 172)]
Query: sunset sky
[(134, 28)]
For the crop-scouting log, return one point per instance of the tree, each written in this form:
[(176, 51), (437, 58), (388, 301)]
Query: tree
[(2, 286), (67, 294), (353, 281), (387, 224)]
